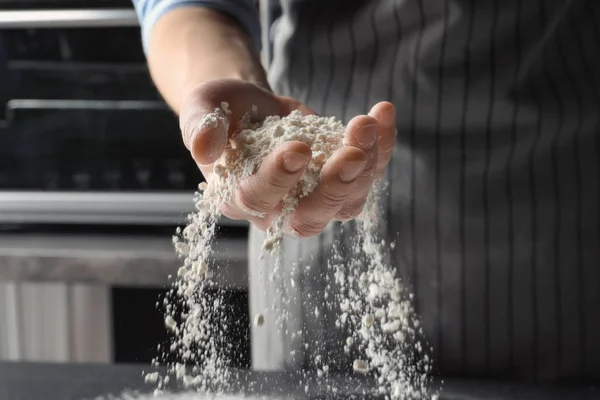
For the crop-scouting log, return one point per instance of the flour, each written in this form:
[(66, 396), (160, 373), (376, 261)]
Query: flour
[(360, 366), (374, 309), (251, 146), (189, 396), (259, 320)]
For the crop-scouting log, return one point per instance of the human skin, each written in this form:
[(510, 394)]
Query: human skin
[(199, 58)]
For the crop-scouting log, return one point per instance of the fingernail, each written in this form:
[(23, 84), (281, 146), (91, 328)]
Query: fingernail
[(350, 170), (388, 117), (293, 161), (207, 146), (368, 136)]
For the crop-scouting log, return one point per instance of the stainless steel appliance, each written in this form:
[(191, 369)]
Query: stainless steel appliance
[(85, 141), (84, 135)]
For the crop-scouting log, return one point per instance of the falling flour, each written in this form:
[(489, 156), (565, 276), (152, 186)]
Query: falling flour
[(374, 309)]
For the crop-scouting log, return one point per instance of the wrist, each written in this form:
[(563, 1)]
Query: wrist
[(232, 57), (192, 45)]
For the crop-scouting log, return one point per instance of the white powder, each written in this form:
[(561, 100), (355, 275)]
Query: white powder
[(259, 320), (374, 309), (158, 395), (251, 146), (151, 377), (368, 320), (170, 323), (360, 366)]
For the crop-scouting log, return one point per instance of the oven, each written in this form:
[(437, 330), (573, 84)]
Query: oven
[(84, 136), (93, 179)]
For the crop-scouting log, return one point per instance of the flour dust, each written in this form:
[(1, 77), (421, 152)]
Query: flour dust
[(375, 311)]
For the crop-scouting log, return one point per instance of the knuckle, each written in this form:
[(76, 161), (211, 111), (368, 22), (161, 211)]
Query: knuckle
[(306, 229), (332, 199), (275, 183), (351, 210), (368, 171), (252, 204), (347, 214), (384, 158), (385, 153)]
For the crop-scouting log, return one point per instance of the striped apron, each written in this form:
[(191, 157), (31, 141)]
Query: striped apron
[(493, 199)]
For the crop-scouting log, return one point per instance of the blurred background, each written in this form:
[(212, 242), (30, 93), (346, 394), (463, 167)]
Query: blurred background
[(94, 180)]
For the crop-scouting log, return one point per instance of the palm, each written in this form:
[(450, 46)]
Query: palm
[(241, 98), (346, 177)]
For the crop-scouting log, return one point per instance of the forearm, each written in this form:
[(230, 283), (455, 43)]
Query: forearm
[(192, 45)]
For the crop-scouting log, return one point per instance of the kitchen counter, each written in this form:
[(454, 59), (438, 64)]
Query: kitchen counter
[(23, 381), (110, 260)]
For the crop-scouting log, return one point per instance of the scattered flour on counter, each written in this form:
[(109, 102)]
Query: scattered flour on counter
[(374, 308), (189, 396)]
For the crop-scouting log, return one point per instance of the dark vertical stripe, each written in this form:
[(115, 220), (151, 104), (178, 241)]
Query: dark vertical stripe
[(331, 60), (293, 65), (556, 192), (578, 193), (311, 56), (352, 69), (391, 97), (413, 167), (462, 185), (509, 194), (438, 173), (311, 62), (534, 231), (394, 63), (373, 22), (592, 13), (485, 182), (592, 77), (596, 28)]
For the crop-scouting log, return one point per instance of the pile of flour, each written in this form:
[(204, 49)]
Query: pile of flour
[(374, 309)]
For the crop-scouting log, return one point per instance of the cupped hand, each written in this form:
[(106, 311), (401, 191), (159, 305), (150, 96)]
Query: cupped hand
[(346, 181), (346, 178)]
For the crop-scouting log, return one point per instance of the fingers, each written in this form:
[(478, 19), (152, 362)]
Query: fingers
[(385, 114), (338, 180), (346, 179), (261, 193), (361, 132), (206, 133), (232, 211)]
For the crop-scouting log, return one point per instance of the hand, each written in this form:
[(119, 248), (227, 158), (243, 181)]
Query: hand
[(346, 177)]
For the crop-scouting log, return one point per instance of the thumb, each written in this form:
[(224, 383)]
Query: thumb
[(204, 133)]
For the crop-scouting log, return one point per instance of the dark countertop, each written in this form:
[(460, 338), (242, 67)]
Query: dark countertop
[(26, 381)]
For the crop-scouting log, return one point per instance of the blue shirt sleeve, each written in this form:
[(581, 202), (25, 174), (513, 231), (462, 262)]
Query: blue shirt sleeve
[(244, 11)]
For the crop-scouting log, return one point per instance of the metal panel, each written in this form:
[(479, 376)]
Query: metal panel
[(98, 208), (84, 18), (110, 260)]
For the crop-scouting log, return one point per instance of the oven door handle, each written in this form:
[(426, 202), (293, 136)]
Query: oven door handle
[(74, 18), (108, 208)]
